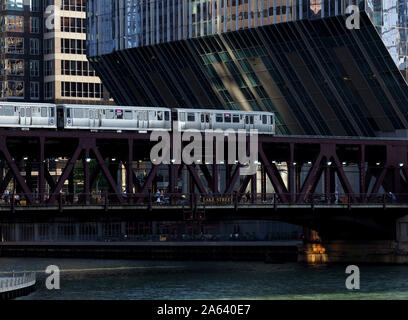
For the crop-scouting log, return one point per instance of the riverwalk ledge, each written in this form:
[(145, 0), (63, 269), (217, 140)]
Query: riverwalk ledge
[(17, 285)]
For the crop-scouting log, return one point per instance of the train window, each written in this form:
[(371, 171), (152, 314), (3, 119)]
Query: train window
[(251, 119), (219, 117), (166, 115), (91, 114), (190, 117), (43, 112), (28, 112), (9, 111), (143, 115), (52, 112), (235, 118), (69, 113), (22, 112), (160, 116), (128, 115), (264, 119), (78, 113), (207, 118), (202, 118), (182, 116), (119, 114), (227, 117), (271, 119), (109, 114)]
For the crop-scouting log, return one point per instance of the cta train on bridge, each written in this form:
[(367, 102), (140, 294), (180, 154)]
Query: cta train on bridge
[(28, 116)]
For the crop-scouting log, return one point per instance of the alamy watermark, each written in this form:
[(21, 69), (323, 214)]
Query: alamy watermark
[(242, 148), (353, 280), (353, 20), (52, 15), (53, 281)]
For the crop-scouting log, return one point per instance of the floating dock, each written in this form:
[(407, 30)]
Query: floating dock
[(17, 286)]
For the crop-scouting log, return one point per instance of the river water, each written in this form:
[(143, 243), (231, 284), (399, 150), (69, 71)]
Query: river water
[(131, 279)]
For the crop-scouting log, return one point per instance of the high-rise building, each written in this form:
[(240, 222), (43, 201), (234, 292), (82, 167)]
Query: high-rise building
[(43, 53), (321, 70)]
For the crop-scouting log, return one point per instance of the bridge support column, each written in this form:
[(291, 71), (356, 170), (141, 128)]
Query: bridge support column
[(17, 232), (36, 232), (77, 232), (100, 230), (123, 230), (312, 250), (87, 187)]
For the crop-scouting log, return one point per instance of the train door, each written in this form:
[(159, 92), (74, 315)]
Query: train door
[(208, 122), (143, 119), (25, 116), (204, 121), (60, 117), (93, 118), (249, 122)]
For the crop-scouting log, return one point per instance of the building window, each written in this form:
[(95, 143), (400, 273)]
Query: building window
[(82, 90), (73, 5), (34, 68), (34, 46), (35, 5), (12, 23), (48, 46), (13, 45), (35, 90), (49, 68), (34, 25), (13, 89), (13, 67), (76, 25), (73, 46), (76, 68), (49, 90), (13, 5)]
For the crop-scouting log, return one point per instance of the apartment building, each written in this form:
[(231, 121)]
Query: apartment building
[(43, 53)]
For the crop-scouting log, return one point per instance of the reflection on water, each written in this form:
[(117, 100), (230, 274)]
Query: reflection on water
[(127, 279)]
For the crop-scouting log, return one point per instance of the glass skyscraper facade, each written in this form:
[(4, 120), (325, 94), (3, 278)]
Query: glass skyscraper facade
[(391, 20), (296, 58), (122, 24)]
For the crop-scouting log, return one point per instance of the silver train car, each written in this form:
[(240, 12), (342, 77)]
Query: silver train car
[(202, 119), (99, 118), (117, 118), (27, 115)]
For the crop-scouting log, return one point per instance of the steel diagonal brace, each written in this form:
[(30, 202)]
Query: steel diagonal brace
[(102, 164), (343, 179), (67, 170), (196, 178), (233, 181), (5, 182), (311, 179), (274, 176), (152, 174), (16, 172)]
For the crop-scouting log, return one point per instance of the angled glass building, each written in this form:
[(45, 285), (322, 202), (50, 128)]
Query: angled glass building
[(294, 57)]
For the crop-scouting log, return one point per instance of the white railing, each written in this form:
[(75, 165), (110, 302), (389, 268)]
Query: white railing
[(17, 282)]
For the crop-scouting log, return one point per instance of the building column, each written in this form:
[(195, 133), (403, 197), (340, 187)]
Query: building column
[(36, 232), (17, 232)]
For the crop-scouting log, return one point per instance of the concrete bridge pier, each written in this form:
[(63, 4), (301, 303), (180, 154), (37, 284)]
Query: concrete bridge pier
[(315, 250), (312, 251)]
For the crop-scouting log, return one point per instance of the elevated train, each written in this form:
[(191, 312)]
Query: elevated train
[(120, 118)]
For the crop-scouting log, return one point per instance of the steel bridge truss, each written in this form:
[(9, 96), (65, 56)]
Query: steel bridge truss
[(294, 166)]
